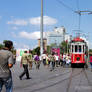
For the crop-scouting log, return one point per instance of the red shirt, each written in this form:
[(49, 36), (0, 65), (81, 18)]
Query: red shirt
[(90, 59)]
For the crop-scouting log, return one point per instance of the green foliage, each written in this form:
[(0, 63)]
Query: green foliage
[(53, 45), (64, 47), (90, 51), (1, 46), (36, 50), (49, 49)]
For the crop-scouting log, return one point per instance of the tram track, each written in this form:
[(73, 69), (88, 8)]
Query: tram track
[(56, 83), (40, 88), (70, 80)]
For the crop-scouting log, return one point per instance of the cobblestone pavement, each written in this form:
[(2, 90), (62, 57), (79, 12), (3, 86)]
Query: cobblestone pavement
[(59, 80)]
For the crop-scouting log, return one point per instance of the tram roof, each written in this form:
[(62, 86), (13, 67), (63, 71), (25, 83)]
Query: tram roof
[(77, 39)]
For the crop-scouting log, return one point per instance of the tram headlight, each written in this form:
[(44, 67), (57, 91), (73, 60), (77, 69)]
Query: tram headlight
[(78, 58)]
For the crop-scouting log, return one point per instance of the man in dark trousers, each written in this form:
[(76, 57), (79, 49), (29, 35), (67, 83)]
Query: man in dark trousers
[(6, 62), (24, 63)]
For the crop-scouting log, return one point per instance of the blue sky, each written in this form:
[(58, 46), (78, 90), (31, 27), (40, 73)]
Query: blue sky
[(19, 19)]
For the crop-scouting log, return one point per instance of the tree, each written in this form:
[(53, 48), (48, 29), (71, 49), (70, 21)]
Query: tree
[(90, 51), (64, 47), (1, 46), (49, 49), (36, 50), (53, 45)]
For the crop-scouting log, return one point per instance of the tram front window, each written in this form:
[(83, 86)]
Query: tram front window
[(76, 48), (80, 49)]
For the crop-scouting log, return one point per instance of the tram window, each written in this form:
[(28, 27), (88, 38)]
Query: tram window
[(83, 48), (72, 48), (76, 49), (80, 48)]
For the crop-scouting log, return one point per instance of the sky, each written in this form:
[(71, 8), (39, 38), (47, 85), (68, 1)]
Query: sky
[(20, 19)]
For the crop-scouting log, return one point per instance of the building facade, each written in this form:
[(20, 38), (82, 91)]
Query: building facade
[(44, 43), (56, 36)]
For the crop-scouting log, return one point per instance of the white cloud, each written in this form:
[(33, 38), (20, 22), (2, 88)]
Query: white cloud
[(34, 35), (34, 21), (46, 20), (19, 22), (21, 46)]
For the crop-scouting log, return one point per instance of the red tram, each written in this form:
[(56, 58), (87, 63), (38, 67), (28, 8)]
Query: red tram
[(78, 49)]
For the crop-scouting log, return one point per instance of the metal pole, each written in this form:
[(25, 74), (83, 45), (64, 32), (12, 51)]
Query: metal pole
[(41, 32), (88, 49), (67, 47)]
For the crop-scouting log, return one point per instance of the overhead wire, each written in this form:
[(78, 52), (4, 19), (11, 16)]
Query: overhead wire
[(62, 3), (65, 5), (70, 8)]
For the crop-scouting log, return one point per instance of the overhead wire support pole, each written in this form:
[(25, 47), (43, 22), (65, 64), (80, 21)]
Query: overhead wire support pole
[(79, 12), (79, 20), (86, 12), (41, 32)]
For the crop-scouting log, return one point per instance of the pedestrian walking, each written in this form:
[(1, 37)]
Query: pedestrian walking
[(64, 60), (56, 60), (30, 58), (68, 60), (6, 62), (53, 61), (61, 60), (86, 59), (24, 63), (37, 61), (47, 60), (90, 60), (44, 58)]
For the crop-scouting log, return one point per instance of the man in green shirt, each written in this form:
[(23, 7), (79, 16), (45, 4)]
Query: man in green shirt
[(30, 59), (24, 63)]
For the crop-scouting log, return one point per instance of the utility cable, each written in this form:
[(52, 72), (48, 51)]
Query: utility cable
[(62, 3)]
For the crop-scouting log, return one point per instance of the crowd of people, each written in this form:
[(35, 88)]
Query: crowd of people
[(52, 60)]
